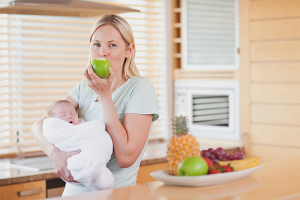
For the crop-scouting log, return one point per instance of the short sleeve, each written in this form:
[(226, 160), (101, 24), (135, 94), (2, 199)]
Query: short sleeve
[(75, 92), (143, 100)]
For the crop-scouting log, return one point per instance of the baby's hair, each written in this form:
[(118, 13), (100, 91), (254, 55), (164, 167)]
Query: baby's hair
[(52, 105)]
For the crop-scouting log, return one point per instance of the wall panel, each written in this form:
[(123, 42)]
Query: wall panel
[(268, 9), (272, 153), (275, 135), (276, 72), (275, 93), (275, 29), (287, 50), (275, 114)]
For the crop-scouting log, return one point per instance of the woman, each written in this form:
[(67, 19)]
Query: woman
[(125, 102)]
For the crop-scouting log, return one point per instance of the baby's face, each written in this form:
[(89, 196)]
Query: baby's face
[(66, 112)]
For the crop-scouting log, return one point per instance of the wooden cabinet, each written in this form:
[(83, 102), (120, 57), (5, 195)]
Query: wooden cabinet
[(143, 175), (24, 191)]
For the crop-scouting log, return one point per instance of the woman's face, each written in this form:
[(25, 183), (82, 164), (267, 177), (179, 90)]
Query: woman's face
[(108, 43)]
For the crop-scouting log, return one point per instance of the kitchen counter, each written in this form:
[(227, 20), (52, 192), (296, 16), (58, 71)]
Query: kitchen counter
[(274, 180), (154, 154)]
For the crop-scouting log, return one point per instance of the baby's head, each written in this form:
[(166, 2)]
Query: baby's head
[(64, 110)]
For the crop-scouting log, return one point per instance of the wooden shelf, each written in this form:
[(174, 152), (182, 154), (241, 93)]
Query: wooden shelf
[(177, 25), (177, 40), (177, 10)]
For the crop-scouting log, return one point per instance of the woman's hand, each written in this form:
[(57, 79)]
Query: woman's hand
[(102, 87), (59, 160)]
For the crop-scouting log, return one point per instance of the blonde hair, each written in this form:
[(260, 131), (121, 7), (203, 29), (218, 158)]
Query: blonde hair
[(52, 105), (129, 68)]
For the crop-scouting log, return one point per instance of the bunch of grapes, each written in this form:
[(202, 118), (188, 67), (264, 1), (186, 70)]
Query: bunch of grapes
[(220, 155)]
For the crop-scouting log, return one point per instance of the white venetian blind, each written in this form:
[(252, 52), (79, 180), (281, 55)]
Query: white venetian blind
[(42, 58), (211, 34)]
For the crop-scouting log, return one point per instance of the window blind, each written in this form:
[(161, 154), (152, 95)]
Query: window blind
[(42, 58), (211, 34)]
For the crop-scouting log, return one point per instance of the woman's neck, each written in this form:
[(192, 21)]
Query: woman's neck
[(117, 82)]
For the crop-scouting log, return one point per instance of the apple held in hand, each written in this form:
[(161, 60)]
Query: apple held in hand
[(101, 67), (192, 166)]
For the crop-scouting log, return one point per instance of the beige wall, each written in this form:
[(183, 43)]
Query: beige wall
[(275, 78), (269, 76)]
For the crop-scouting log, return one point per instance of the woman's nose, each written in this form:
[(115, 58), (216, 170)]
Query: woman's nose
[(103, 52)]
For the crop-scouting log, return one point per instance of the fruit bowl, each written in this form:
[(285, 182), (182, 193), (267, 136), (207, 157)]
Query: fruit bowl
[(204, 180)]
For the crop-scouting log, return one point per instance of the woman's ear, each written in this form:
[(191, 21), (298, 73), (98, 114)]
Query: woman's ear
[(129, 50)]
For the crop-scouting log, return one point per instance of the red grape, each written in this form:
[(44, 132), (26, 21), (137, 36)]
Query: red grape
[(212, 157), (235, 156), (210, 150), (221, 150), (227, 155), (205, 153), (216, 153)]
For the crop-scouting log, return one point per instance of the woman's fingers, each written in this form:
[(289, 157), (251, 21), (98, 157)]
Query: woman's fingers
[(72, 153), (60, 164), (86, 74), (111, 74)]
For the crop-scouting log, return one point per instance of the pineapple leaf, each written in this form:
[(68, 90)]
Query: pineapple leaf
[(180, 125)]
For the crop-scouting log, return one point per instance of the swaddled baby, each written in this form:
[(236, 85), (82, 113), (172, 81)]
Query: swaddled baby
[(67, 132)]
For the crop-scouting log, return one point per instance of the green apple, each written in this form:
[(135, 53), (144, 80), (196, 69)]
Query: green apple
[(101, 67), (192, 166)]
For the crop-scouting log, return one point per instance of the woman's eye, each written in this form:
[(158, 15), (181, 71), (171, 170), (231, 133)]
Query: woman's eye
[(112, 45), (97, 45)]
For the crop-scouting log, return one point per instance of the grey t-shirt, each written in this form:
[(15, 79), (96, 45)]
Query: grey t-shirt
[(136, 95)]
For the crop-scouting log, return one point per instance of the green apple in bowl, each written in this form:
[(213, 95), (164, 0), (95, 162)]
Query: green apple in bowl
[(101, 67), (192, 166)]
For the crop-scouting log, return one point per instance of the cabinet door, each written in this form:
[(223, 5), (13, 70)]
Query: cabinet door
[(143, 175), (23, 191)]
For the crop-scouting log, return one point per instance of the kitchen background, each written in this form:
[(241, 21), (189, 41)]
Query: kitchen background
[(42, 58)]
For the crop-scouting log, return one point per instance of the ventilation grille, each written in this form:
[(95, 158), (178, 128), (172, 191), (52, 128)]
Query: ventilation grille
[(211, 110)]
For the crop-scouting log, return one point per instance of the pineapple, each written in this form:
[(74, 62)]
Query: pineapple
[(182, 145)]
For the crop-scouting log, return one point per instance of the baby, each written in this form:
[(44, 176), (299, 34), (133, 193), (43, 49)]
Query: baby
[(68, 132), (64, 110)]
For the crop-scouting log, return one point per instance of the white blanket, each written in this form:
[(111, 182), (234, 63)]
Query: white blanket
[(89, 166)]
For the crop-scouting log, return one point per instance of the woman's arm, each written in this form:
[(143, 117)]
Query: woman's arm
[(59, 158), (129, 139)]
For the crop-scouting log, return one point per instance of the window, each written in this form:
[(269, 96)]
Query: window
[(210, 34), (42, 58)]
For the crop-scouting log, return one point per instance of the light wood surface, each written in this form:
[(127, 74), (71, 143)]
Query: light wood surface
[(275, 93), (275, 78), (276, 114), (11, 191), (275, 29), (143, 175), (275, 50), (274, 180), (274, 153), (268, 9), (276, 72), (244, 72), (275, 135)]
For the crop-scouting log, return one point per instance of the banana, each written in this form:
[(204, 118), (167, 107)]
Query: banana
[(241, 164)]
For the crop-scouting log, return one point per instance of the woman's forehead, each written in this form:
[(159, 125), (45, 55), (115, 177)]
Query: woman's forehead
[(107, 33)]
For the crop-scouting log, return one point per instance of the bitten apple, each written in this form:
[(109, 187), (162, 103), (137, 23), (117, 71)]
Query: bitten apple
[(192, 166), (101, 67)]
